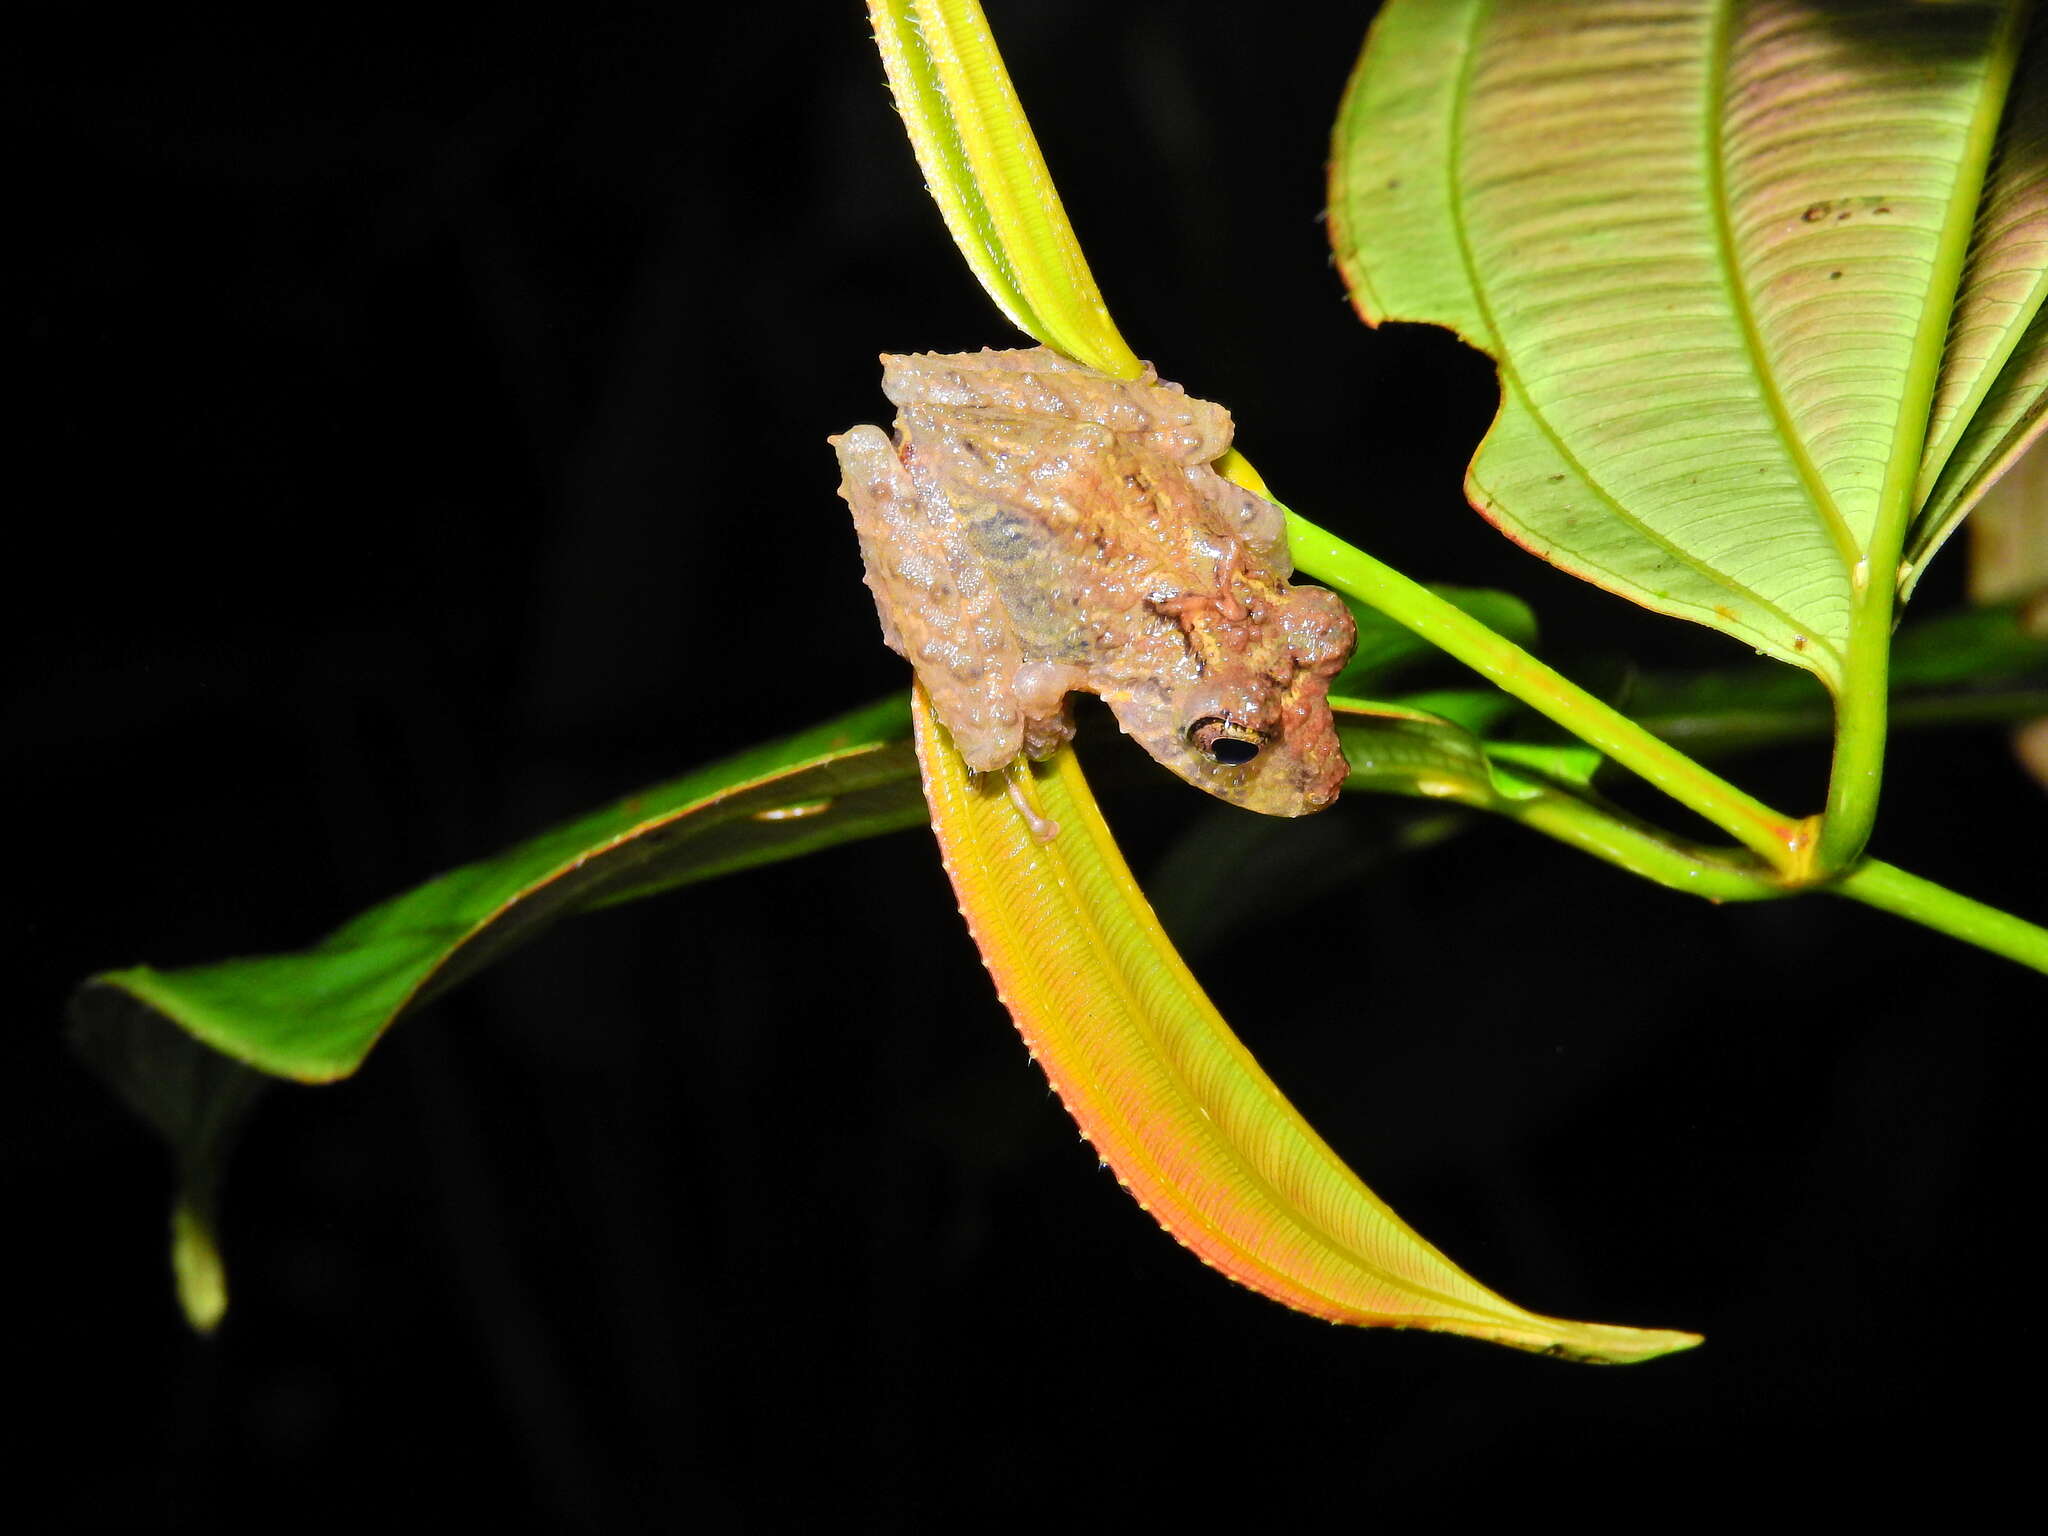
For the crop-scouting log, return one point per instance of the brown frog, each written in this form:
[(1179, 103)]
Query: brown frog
[(1038, 527)]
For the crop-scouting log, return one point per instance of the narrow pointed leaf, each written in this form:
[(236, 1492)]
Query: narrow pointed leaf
[(1392, 749), (1546, 787), (1713, 247), (1178, 1109), (197, 1100), (191, 1050), (315, 1014), (983, 168)]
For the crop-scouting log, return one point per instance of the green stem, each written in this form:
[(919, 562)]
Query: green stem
[(1860, 714), (1780, 842), (1890, 889), (1858, 769), (1715, 875)]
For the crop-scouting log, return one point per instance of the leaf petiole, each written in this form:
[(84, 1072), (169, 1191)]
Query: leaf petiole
[(1782, 843)]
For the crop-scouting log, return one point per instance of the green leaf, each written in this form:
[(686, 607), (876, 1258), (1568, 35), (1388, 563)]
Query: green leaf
[(188, 1049), (982, 167), (197, 1100), (1713, 248), (1397, 750), (1993, 396), (1482, 711), (314, 1015)]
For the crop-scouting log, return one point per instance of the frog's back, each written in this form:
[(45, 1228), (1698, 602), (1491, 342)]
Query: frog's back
[(1038, 382), (1078, 527)]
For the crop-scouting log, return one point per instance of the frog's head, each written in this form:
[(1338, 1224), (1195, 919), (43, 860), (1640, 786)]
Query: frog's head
[(1269, 747)]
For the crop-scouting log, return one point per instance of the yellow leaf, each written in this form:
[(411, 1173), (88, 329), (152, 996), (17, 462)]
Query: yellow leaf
[(1172, 1102)]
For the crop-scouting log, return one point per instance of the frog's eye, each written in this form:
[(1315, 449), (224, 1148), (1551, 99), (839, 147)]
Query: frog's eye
[(1225, 742)]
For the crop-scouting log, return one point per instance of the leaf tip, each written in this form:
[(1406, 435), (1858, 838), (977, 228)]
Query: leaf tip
[(196, 1268), (1606, 1344)]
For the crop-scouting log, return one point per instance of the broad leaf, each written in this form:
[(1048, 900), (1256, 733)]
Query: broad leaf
[(1993, 399), (1713, 247), (1176, 1107)]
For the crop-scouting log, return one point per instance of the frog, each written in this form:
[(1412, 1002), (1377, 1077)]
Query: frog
[(1037, 528)]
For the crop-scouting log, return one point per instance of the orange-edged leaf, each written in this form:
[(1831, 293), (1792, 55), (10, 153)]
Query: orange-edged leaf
[(1713, 247), (1172, 1102)]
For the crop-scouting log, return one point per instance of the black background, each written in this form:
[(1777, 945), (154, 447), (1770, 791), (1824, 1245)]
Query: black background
[(427, 443)]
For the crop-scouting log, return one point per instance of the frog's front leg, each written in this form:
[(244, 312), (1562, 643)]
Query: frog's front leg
[(938, 608), (1042, 688)]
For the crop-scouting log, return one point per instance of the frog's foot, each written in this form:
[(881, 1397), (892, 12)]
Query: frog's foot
[(1017, 779)]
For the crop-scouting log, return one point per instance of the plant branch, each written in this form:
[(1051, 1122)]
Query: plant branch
[(1858, 769), (1783, 843), (1891, 889), (1715, 875)]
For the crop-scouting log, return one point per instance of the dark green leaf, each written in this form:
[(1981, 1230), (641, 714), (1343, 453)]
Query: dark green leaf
[(315, 1014)]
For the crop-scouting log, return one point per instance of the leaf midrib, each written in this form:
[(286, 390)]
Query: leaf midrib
[(1511, 378), (1137, 1015)]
